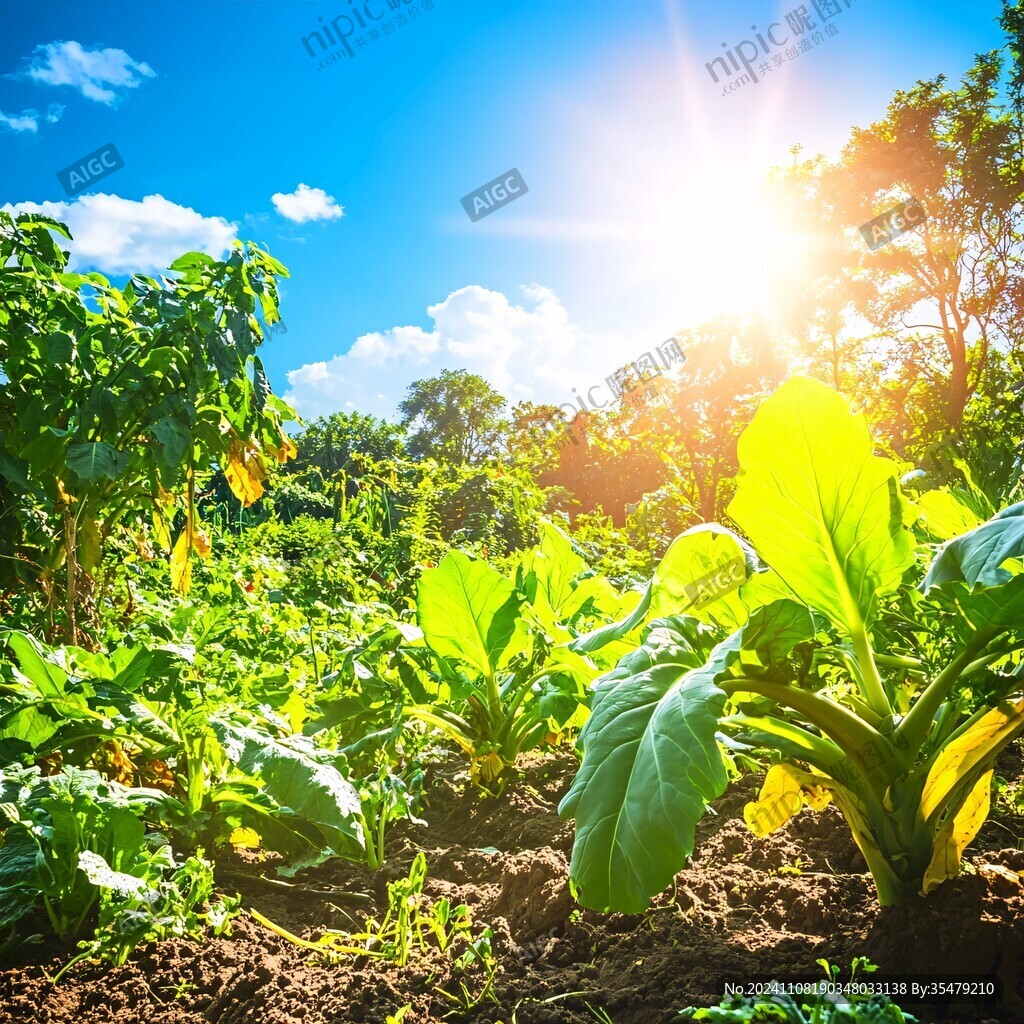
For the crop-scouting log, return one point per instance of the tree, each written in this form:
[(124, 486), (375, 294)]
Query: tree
[(343, 440), (943, 298), (113, 402), (731, 364), (455, 418)]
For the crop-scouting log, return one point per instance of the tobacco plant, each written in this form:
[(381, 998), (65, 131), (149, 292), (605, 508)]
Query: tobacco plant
[(876, 670), (143, 715), (505, 676), (113, 401)]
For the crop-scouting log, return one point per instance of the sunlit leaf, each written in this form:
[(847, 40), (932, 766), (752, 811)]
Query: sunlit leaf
[(954, 837), (966, 752), (245, 839), (244, 472), (819, 506), (467, 610), (944, 515), (785, 790)]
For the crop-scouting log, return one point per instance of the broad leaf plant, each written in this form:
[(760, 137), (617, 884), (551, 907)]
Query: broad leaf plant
[(875, 667)]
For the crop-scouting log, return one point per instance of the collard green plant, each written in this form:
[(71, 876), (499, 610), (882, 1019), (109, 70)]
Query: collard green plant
[(877, 672)]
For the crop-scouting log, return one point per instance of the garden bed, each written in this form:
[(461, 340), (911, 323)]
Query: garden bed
[(745, 908)]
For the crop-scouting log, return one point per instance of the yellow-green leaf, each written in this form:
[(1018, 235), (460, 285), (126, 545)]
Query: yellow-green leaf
[(181, 566), (945, 517), (818, 505), (960, 757), (785, 790), (245, 838), (954, 837), (190, 539)]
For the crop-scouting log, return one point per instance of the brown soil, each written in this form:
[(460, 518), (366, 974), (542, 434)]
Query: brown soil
[(743, 909)]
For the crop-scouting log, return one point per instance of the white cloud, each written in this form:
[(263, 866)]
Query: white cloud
[(28, 120), (124, 236), (97, 74), (307, 203), (527, 352), (25, 122)]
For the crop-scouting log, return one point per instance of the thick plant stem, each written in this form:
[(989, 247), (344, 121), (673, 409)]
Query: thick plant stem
[(871, 680), (850, 733)]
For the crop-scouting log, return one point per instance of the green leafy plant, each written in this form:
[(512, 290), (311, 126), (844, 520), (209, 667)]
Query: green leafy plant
[(888, 699), (505, 673), (479, 952), (74, 846), (113, 401), (410, 922), (222, 764), (175, 902), (386, 798)]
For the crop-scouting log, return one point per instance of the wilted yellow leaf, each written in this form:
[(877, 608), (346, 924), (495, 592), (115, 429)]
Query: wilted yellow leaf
[(287, 450), (111, 761), (201, 543), (161, 531), (181, 566), (142, 545), (952, 839), (245, 838), (191, 539), (960, 757), (488, 767), (244, 472), (786, 789)]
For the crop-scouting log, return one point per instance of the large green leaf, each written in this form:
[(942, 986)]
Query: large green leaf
[(819, 507), (175, 437), (22, 873), (701, 571), (650, 764), (976, 558), (96, 460), (467, 611), (651, 760), (298, 777), (552, 567), (48, 679)]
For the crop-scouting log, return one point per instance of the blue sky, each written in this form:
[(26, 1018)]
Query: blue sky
[(642, 215)]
